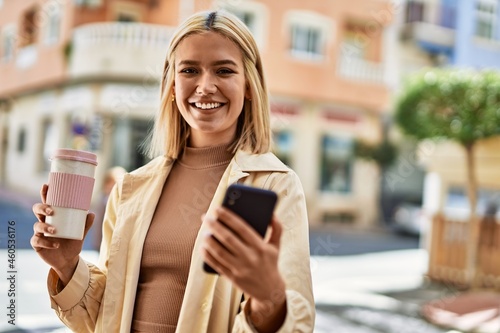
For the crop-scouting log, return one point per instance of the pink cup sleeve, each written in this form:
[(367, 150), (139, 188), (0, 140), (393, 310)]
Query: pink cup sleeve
[(70, 191)]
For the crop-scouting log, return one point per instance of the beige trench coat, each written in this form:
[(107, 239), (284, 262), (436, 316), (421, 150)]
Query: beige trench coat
[(101, 298)]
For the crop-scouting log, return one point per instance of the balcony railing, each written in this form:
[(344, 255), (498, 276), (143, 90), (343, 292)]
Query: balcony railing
[(361, 70), (133, 34), (116, 48)]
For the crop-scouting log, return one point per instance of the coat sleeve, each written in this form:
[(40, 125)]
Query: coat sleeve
[(294, 261), (78, 304)]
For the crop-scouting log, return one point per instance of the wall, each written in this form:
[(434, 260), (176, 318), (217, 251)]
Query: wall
[(471, 51), (49, 66)]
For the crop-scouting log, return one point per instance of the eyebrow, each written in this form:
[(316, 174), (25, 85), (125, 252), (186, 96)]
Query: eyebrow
[(215, 63)]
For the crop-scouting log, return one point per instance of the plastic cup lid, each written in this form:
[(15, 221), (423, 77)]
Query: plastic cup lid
[(75, 155)]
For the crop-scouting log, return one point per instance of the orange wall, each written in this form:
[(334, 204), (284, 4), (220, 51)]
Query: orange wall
[(85, 15), (290, 76), (50, 67), (166, 13), (50, 64), (286, 75)]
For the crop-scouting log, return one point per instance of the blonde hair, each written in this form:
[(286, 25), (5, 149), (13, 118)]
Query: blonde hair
[(170, 132)]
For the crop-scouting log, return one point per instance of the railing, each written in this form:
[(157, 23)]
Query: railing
[(361, 70), (133, 34), (448, 252), (116, 48)]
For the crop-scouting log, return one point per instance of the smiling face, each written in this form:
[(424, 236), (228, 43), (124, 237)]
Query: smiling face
[(210, 87)]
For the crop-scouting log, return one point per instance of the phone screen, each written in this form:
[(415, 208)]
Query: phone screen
[(254, 205)]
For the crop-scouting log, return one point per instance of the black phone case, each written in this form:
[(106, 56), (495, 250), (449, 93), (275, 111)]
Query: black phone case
[(254, 205)]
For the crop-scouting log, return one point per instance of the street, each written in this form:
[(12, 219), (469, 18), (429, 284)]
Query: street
[(17, 208), (340, 240)]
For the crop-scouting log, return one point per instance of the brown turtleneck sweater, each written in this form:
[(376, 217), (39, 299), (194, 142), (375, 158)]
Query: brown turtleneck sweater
[(166, 255)]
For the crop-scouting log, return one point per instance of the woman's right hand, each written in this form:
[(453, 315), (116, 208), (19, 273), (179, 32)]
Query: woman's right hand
[(61, 254)]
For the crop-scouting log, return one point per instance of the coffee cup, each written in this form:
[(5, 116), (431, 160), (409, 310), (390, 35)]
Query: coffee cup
[(71, 182)]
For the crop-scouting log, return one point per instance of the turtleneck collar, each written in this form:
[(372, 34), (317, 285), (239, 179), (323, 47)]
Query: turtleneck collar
[(208, 157)]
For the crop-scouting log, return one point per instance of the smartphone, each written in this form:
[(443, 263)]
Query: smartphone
[(252, 204)]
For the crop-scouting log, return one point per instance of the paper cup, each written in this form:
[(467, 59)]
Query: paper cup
[(71, 181)]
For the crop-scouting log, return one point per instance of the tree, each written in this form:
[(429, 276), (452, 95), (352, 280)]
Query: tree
[(459, 105)]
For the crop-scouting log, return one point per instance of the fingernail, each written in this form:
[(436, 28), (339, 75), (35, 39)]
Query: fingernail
[(51, 230), (56, 245), (48, 211)]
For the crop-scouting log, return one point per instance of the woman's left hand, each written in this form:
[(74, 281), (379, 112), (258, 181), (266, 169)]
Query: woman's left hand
[(239, 253)]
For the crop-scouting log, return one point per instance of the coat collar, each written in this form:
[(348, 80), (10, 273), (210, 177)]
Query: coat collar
[(242, 161), (248, 162)]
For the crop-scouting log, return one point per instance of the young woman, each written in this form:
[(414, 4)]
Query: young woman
[(212, 130)]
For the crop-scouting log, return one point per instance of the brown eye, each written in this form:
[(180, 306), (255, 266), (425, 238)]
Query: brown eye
[(225, 71), (188, 71)]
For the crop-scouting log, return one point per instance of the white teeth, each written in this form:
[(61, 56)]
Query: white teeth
[(206, 106)]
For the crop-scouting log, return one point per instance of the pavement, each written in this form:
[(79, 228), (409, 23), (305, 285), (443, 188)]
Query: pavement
[(387, 291), (374, 292)]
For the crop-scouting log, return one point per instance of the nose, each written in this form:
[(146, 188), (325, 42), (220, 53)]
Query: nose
[(206, 85)]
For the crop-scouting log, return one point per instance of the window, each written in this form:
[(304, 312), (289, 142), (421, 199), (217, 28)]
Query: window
[(353, 45), (126, 17), (283, 141), (448, 15), (360, 57), (246, 17), (29, 29), (128, 136), (254, 15), (486, 14), (21, 140), (306, 40), (8, 44), (414, 11), (336, 164), (128, 11), (53, 25), (309, 33)]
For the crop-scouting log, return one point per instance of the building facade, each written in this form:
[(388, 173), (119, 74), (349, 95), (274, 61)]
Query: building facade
[(84, 74), (462, 34)]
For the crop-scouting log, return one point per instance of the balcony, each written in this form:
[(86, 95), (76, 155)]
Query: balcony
[(133, 50), (361, 70), (431, 37)]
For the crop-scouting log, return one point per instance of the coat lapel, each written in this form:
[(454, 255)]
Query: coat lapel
[(200, 288), (140, 194)]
